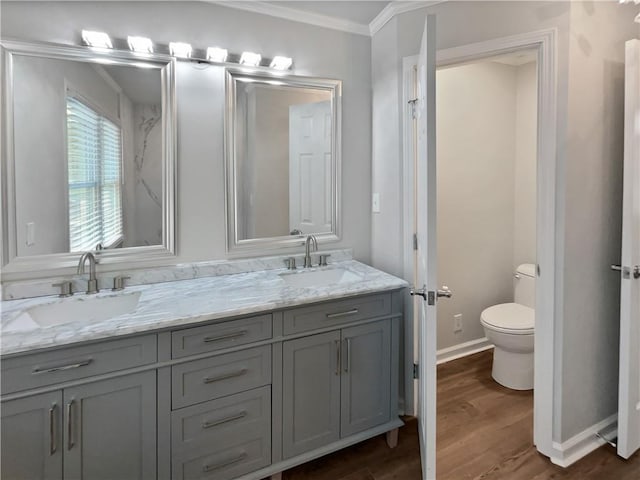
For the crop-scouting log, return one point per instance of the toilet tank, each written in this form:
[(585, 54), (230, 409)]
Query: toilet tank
[(524, 286)]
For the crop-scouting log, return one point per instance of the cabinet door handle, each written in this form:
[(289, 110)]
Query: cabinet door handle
[(228, 336), (348, 367), (337, 357), (216, 466), (225, 376), (342, 314), (82, 363), (70, 442), (221, 421), (52, 429)]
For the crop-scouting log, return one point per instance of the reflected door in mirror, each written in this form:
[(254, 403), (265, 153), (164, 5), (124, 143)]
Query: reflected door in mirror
[(310, 168)]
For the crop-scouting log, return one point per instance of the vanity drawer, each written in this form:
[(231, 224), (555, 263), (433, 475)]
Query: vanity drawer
[(335, 313), (215, 377), (192, 341), (235, 418), (73, 363), (226, 461)]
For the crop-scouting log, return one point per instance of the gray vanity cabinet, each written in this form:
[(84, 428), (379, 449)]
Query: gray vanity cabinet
[(110, 429), (335, 384), (311, 392), (32, 437), (366, 377)]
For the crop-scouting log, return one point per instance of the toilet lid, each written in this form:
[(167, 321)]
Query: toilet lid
[(510, 317)]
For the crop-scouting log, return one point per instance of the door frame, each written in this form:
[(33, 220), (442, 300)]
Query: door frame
[(546, 355)]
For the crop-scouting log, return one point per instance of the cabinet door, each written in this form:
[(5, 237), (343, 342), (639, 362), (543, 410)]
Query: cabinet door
[(110, 429), (31, 437), (366, 377), (311, 392)]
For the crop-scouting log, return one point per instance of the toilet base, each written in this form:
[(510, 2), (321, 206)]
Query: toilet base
[(513, 369)]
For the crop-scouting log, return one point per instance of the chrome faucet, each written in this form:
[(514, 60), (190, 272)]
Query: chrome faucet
[(307, 250), (92, 285)]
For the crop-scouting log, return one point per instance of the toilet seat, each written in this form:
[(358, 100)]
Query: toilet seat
[(510, 318)]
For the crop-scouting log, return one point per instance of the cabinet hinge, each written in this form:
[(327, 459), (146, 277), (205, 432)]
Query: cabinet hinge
[(415, 241), (416, 371)]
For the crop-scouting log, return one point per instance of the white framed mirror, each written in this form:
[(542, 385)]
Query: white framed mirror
[(283, 159), (89, 156)]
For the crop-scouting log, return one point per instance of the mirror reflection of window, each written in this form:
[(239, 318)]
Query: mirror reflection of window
[(94, 163)]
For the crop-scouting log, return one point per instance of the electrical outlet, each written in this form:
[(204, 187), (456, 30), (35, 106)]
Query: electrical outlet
[(457, 323)]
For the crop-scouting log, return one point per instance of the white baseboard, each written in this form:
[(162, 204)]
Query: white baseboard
[(585, 442), (463, 349)]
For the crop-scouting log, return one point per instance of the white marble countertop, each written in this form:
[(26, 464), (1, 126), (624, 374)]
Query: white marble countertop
[(180, 303)]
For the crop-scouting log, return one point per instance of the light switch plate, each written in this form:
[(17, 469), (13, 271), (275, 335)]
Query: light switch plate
[(375, 203)]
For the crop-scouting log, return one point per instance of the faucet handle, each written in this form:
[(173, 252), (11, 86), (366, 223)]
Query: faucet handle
[(66, 288), (291, 263), (323, 259), (118, 282)]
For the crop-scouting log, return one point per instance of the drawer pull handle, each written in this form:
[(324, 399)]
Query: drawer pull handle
[(342, 314), (210, 468), (70, 442), (228, 336), (61, 368), (52, 430), (337, 357), (225, 376), (221, 421)]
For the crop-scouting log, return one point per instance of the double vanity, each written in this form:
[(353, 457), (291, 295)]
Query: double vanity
[(230, 376), (217, 370)]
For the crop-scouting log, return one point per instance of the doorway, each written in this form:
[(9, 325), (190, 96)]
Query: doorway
[(542, 44)]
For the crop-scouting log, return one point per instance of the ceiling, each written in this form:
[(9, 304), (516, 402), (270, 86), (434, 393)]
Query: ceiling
[(357, 11)]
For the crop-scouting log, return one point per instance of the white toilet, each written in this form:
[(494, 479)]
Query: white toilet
[(509, 326)]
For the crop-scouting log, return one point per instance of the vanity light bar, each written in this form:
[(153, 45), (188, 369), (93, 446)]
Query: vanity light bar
[(96, 39), (217, 54), (144, 45), (250, 59), (180, 49), (140, 44), (281, 63)]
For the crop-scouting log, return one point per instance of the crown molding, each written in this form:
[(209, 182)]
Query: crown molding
[(293, 14), (396, 7)]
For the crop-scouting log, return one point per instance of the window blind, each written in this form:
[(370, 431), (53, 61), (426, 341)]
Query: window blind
[(95, 178)]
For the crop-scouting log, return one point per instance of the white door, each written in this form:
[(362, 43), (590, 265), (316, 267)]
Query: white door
[(426, 254), (629, 394), (310, 167)]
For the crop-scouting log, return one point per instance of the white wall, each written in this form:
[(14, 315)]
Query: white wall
[(526, 128), (475, 107), (589, 53), (484, 193), (200, 97)]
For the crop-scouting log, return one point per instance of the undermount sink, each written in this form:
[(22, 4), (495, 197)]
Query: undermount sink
[(320, 278), (68, 310)]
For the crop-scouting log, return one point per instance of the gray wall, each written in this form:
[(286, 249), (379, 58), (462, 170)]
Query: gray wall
[(589, 166), (200, 90), (593, 212)]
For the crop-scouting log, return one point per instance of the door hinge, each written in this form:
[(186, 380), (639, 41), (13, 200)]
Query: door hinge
[(431, 298), (415, 241), (413, 103), (416, 371)]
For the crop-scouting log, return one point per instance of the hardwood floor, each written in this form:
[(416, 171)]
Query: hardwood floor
[(485, 432)]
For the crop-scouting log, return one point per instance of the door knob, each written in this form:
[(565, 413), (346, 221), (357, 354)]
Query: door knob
[(626, 271), (420, 291), (444, 292)]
